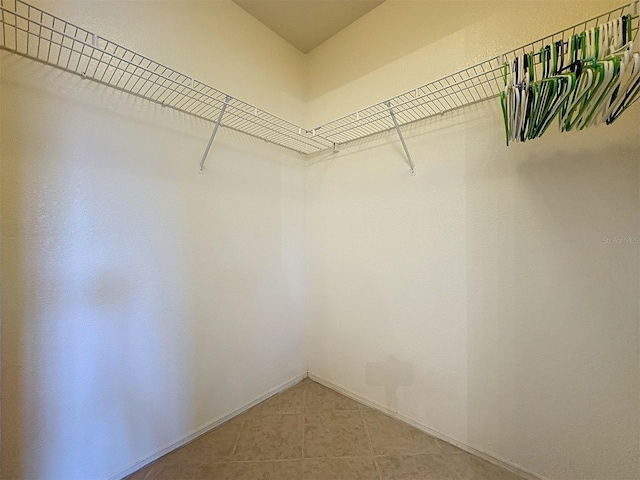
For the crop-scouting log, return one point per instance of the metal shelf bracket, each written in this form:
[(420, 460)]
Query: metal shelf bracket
[(213, 134), (399, 132)]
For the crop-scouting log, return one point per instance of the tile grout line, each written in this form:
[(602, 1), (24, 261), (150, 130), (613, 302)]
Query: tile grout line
[(304, 399), (148, 472), (450, 456), (235, 445), (304, 395), (364, 422), (448, 459), (276, 460), (519, 472), (453, 467)]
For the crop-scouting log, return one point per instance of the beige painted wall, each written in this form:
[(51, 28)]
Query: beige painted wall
[(142, 301)]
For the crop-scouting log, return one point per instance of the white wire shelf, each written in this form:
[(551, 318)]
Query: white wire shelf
[(38, 35), (33, 33), (466, 87)]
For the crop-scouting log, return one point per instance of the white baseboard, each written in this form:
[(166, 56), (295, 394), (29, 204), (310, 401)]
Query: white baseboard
[(204, 429), (513, 468)]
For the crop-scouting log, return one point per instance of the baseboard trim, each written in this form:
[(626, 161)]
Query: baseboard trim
[(513, 468), (204, 429)]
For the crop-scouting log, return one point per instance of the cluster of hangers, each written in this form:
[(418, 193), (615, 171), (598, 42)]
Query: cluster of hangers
[(594, 81)]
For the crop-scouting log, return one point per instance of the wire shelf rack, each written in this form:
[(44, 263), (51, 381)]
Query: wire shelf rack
[(33, 33), (38, 35), (474, 84)]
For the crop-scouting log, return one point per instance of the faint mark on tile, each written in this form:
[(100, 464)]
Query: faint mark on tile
[(288, 401), (448, 448), (190, 471), (415, 467), (335, 434), (469, 467), (357, 468), (263, 470), (215, 446), (320, 398), (270, 437), (392, 437), (238, 419), (391, 375)]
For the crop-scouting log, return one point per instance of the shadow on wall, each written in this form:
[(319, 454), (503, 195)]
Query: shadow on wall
[(433, 124), (13, 312), (121, 267), (552, 305), (86, 328)]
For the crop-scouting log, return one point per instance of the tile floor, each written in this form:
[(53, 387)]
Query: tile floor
[(310, 432)]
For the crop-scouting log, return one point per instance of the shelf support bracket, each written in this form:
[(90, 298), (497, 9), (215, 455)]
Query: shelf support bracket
[(213, 134), (399, 132)]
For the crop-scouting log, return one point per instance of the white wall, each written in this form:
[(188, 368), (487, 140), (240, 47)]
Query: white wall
[(478, 298), (140, 300)]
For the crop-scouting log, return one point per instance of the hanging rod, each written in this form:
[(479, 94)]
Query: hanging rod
[(33, 33)]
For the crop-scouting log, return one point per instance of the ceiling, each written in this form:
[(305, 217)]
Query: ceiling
[(305, 24)]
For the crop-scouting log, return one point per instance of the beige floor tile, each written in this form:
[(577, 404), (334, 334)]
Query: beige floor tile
[(270, 437), (215, 446), (470, 467), (358, 468), (289, 401), (335, 434), (320, 398), (415, 467), (338, 435), (192, 471), (269, 470), (392, 437)]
